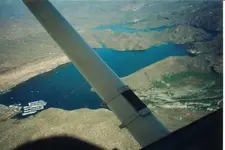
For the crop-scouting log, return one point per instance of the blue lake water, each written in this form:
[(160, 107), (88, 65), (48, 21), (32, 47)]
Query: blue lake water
[(129, 30), (64, 87), (122, 27)]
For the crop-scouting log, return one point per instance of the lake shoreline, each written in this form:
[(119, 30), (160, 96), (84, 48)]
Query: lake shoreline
[(12, 78)]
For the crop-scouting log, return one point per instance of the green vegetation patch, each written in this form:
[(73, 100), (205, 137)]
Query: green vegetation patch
[(159, 84), (201, 75), (198, 79), (203, 86)]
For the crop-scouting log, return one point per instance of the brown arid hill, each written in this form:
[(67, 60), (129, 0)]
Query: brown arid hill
[(143, 40), (211, 50), (143, 78), (96, 126), (11, 78), (100, 127), (7, 112), (23, 40), (178, 82)]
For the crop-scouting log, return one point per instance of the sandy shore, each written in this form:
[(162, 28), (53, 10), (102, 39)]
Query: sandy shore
[(14, 77)]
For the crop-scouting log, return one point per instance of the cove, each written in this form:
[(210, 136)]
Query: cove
[(122, 27), (65, 88), (129, 30)]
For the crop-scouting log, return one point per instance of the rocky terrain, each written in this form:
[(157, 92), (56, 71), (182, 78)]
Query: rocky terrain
[(170, 65), (97, 126), (145, 40), (100, 127), (166, 91), (181, 82), (9, 79), (178, 90), (24, 42), (211, 50), (201, 14), (8, 112)]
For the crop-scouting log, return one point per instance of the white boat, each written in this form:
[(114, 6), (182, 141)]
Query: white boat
[(33, 107), (40, 102), (28, 113)]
